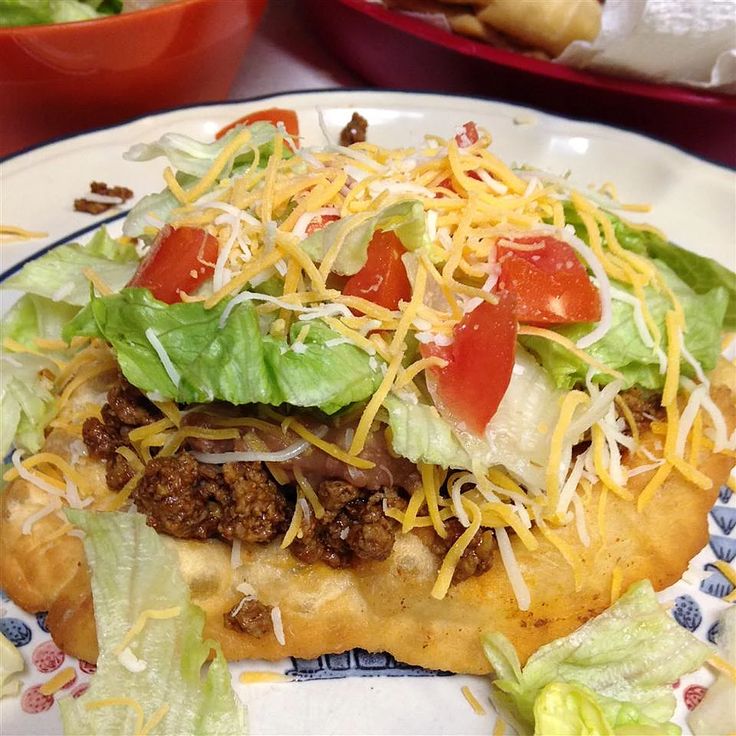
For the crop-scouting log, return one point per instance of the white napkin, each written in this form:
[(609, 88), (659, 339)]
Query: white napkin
[(690, 42)]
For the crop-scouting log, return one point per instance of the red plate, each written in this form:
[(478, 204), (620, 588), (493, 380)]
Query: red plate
[(394, 50)]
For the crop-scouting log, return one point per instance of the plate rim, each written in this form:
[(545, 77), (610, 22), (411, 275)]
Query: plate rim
[(371, 91)]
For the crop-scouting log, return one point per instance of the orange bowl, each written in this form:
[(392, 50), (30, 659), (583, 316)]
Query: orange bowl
[(59, 78)]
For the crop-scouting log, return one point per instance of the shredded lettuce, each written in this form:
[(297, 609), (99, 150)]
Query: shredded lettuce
[(56, 289), (701, 274), (622, 348), (34, 12), (35, 316), (11, 664), (563, 708), (233, 362), (406, 219), (613, 675), (192, 159), (133, 571), (58, 275), (26, 402), (421, 435)]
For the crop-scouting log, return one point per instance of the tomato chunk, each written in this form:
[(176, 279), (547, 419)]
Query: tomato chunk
[(273, 115), (179, 260), (479, 363), (550, 283), (467, 135), (319, 222), (383, 279)]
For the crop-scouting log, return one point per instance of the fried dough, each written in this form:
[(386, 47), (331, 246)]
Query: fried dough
[(381, 606)]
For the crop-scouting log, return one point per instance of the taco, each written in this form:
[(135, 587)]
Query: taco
[(372, 398)]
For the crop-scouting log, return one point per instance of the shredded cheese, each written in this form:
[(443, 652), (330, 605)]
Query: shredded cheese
[(121, 702), (250, 677), (143, 618), (61, 678), (447, 569), (729, 573), (278, 626), (478, 709)]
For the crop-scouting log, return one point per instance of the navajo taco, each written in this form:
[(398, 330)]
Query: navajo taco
[(387, 398)]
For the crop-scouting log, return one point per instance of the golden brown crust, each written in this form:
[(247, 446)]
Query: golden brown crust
[(382, 605)]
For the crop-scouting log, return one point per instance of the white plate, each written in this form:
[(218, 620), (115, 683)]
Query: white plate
[(693, 201)]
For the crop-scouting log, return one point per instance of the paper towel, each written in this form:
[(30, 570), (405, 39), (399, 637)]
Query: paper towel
[(690, 42)]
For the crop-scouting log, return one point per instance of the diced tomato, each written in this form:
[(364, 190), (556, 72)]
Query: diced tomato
[(448, 183), (551, 285), (467, 135), (273, 115), (319, 222), (383, 279), (180, 259), (479, 363)]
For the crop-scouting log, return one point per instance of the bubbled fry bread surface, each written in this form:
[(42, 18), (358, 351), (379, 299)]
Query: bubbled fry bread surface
[(379, 606)]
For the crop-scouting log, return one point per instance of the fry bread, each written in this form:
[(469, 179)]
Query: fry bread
[(383, 605), (550, 25), (539, 25)]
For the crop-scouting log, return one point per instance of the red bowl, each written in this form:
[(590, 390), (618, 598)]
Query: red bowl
[(394, 50), (66, 77)]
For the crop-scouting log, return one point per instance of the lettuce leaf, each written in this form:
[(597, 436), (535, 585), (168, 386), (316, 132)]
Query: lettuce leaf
[(567, 708), (406, 219), (701, 274), (618, 667), (58, 275), (192, 159), (190, 156), (11, 663), (26, 403), (234, 363), (33, 12), (622, 348), (133, 571), (421, 435), (35, 316)]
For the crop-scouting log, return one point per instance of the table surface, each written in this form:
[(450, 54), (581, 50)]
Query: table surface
[(285, 62)]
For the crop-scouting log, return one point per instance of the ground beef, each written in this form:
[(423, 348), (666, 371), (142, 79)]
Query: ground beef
[(477, 557), (257, 511), (334, 494), (118, 472), (644, 404), (129, 406), (99, 187), (252, 618), (354, 131), (96, 207), (101, 439), (353, 528), (191, 500), (175, 500)]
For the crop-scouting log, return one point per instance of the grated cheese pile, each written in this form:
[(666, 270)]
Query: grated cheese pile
[(473, 202)]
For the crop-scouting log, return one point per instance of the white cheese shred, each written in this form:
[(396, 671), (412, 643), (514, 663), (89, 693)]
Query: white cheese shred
[(163, 356), (278, 625), (513, 571)]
